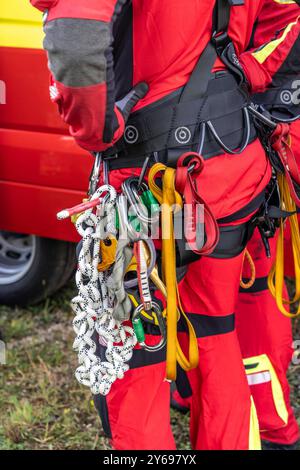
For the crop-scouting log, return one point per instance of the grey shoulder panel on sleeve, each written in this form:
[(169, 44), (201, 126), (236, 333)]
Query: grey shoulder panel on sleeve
[(77, 50)]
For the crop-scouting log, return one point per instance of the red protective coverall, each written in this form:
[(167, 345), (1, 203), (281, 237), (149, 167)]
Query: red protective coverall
[(265, 334), (160, 45)]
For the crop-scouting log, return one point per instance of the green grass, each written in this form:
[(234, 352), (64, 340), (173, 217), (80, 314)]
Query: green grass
[(41, 404)]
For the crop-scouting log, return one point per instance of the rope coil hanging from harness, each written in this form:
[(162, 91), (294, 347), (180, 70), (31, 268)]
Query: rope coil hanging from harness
[(94, 304)]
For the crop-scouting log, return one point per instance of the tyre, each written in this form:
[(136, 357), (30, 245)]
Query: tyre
[(33, 268)]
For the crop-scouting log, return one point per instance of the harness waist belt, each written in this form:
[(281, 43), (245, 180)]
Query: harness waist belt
[(171, 127)]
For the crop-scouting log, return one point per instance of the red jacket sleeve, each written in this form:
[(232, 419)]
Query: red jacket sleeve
[(276, 44), (78, 41)]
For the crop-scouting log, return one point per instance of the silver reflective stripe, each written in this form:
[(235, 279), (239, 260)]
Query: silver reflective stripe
[(259, 378)]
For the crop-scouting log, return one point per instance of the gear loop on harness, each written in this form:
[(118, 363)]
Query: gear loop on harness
[(246, 138)]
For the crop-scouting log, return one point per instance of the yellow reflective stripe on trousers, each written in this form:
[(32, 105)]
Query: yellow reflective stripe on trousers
[(262, 363), (254, 434)]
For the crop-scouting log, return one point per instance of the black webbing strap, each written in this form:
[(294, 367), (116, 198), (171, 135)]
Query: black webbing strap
[(196, 87), (222, 16)]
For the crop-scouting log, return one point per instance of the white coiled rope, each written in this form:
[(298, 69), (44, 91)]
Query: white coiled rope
[(94, 305)]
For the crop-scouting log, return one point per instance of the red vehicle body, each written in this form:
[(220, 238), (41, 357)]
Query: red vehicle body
[(42, 169)]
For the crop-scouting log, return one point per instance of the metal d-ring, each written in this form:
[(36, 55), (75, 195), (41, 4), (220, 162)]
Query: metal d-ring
[(246, 136)]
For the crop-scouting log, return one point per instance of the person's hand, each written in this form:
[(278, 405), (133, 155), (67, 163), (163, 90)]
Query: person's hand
[(126, 104)]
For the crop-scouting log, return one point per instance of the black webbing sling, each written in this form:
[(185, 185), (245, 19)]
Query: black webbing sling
[(196, 87)]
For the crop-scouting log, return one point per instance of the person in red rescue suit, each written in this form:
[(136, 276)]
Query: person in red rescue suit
[(265, 335), (148, 51)]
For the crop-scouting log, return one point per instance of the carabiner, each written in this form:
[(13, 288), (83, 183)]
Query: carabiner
[(139, 329), (125, 226), (95, 174), (261, 117), (130, 188)]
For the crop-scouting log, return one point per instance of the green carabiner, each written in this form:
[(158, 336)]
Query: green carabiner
[(140, 332)]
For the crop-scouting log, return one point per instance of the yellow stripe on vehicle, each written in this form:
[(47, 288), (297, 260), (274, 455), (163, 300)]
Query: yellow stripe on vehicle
[(263, 53), (20, 25)]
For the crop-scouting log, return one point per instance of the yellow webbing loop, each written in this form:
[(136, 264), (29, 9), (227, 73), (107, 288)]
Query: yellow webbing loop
[(169, 199), (249, 284), (276, 276)]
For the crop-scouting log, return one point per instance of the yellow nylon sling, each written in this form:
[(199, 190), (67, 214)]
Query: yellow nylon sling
[(168, 197), (276, 276)]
